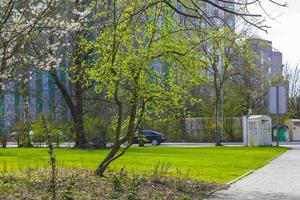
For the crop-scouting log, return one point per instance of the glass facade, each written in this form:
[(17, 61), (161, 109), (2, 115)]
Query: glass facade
[(44, 97)]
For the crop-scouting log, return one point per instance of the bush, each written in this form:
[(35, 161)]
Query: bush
[(171, 127), (97, 130), (233, 130), (59, 131), (142, 140), (18, 132)]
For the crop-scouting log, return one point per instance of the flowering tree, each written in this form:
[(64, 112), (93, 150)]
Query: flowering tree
[(58, 50), (19, 19)]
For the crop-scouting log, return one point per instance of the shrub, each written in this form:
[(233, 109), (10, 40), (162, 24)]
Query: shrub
[(171, 127), (142, 140), (97, 131), (59, 131)]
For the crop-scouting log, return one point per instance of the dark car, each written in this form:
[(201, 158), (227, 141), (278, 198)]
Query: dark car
[(149, 136)]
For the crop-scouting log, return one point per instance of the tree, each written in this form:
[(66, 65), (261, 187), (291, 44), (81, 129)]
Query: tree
[(144, 64), (221, 15), (292, 74), (58, 51), (212, 12), (223, 51), (247, 87), (122, 69), (18, 20), (75, 104)]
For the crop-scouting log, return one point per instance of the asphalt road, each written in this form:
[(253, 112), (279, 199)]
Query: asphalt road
[(179, 144), (279, 180), (71, 144)]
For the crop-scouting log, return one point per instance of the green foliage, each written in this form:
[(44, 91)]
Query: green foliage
[(161, 169), (208, 128), (135, 183), (69, 191), (52, 158), (141, 139), (118, 180), (20, 130), (142, 63), (172, 128), (38, 135), (59, 131), (98, 130), (123, 183), (232, 130)]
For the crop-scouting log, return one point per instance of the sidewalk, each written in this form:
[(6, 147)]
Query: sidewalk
[(280, 179)]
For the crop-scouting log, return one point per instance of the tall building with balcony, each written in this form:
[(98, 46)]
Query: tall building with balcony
[(269, 65), (269, 60)]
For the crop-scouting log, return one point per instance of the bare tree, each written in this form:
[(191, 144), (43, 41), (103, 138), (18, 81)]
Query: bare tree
[(292, 76), (208, 11)]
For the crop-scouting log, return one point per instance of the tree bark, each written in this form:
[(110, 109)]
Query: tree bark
[(3, 139), (79, 124), (116, 147), (114, 153), (76, 109), (27, 142), (107, 160), (217, 132)]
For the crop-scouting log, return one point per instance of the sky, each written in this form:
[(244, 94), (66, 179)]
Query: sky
[(285, 30)]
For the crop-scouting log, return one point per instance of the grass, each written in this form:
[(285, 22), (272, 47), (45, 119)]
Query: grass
[(212, 164)]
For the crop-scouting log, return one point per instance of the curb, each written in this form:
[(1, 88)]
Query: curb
[(242, 176), (231, 182)]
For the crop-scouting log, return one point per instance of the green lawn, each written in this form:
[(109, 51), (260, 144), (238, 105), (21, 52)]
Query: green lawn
[(213, 164)]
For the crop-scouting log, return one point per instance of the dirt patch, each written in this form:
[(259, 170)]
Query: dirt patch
[(83, 184)]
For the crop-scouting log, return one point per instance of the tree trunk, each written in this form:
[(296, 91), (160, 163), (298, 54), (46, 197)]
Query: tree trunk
[(76, 109), (184, 135), (107, 160), (217, 132), (27, 142), (77, 115), (116, 147), (80, 139), (113, 154), (3, 140)]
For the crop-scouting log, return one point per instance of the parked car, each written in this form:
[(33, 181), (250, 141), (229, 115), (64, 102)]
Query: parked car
[(149, 136)]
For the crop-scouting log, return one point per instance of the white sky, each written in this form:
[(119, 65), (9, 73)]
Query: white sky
[(285, 30)]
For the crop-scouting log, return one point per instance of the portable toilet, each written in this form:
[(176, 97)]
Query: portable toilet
[(294, 129), (259, 130)]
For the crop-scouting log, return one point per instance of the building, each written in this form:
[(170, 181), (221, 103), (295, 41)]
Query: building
[(268, 64), (269, 60), (44, 97)]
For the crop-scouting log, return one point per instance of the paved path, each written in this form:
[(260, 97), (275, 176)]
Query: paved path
[(279, 180)]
